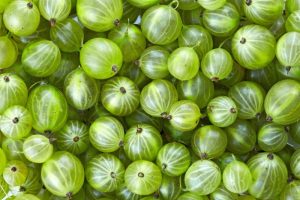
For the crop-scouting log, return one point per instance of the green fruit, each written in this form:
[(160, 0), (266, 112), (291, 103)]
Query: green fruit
[(142, 142), (48, 107), (237, 177), (253, 46), (287, 50), (170, 187), (13, 149), (3, 161), (99, 16), (157, 97), (203, 177), (173, 159), (13, 91), (209, 142), (221, 193), (223, 21), (191, 17), (41, 58), (292, 22), (199, 89), (291, 190), (295, 163), (130, 12), (211, 4), (184, 115), (222, 111), (282, 102), (63, 174), (269, 175), (15, 173), (272, 137), (196, 37), (217, 64), (106, 134), (21, 18), (105, 173), (55, 10), (188, 4), (101, 58), (81, 91), (295, 131), (154, 62), (183, 63), (249, 99), (263, 12), (143, 4), (37, 148), (292, 5), (241, 137), (8, 52), (120, 96), (73, 137), (130, 40), (143, 177), (16, 122), (161, 24)]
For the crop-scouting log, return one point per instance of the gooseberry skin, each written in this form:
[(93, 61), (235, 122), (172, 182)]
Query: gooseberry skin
[(101, 58), (56, 10), (99, 16), (8, 52), (21, 17), (161, 24)]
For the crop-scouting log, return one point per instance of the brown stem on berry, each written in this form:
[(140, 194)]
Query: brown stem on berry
[(248, 2), (141, 174), (6, 79), (30, 5), (233, 110), (69, 195), (288, 69), (139, 130), (15, 120), (270, 156), (76, 139), (52, 22), (13, 169), (113, 175), (215, 79), (243, 40), (117, 22), (269, 119), (203, 156), (114, 68), (122, 90)]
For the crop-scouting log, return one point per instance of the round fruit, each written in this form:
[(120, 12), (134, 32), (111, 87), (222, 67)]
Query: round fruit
[(13, 91), (184, 115), (142, 142), (269, 175), (249, 99), (241, 137), (282, 102), (222, 111), (16, 122), (154, 62), (295, 164), (99, 16), (120, 96), (161, 24), (211, 4), (209, 142), (130, 40), (157, 97), (203, 177), (292, 22), (101, 58), (63, 174), (41, 58), (272, 137), (223, 21), (55, 10), (81, 91), (295, 131), (21, 17), (3, 161), (173, 159), (143, 4), (143, 177), (170, 187), (73, 137), (15, 173), (199, 89), (253, 46), (67, 35), (197, 37), (217, 64), (288, 51), (105, 173), (291, 190), (183, 63), (8, 52), (222, 194), (48, 107), (106, 134), (37, 148), (237, 177)]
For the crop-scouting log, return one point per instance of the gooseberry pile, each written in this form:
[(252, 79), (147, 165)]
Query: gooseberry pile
[(149, 99)]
